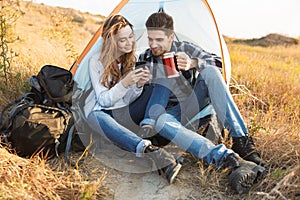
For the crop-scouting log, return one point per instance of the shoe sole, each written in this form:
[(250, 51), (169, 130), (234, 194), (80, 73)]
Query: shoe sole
[(242, 179)]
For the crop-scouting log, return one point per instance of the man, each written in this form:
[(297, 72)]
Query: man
[(185, 102)]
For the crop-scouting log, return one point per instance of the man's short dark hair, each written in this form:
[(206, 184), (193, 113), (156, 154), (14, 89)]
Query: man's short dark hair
[(160, 21)]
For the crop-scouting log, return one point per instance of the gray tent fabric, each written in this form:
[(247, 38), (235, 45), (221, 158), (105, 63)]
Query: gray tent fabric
[(193, 21)]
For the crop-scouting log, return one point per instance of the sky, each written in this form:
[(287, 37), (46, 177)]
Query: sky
[(235, 18)]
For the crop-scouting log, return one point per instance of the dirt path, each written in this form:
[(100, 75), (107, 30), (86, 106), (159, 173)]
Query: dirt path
[(125, 186), (131, 178), (146, 185)]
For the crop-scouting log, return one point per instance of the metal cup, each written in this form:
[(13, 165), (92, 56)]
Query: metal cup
[(169, 61)]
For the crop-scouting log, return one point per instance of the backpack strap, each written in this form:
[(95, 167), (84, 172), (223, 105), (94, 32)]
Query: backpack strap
[(68, 146), (6, 124), (20, 101)]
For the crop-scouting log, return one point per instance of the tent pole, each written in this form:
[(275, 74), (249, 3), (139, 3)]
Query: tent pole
[(219, 36)]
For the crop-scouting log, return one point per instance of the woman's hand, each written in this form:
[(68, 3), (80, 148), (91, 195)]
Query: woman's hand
[(145, 72), (130, 78), (139, 76)]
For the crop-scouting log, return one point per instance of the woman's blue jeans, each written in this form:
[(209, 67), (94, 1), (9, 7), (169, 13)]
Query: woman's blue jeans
[(102, 123), (119, 125)]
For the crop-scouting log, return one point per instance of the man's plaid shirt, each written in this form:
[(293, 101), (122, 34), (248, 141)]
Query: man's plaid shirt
[(179, 85), (204, 58)]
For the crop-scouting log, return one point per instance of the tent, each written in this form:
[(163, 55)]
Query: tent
[(194, 21)]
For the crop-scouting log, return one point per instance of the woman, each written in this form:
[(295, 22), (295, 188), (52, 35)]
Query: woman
[(116, 85)]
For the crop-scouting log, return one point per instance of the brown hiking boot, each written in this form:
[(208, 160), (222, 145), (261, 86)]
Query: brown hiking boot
[(243, 174), (164, 162), (244, 146)]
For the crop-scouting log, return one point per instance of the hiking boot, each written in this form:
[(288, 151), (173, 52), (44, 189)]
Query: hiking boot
[(244, 146), (164, 162), (243, 174)]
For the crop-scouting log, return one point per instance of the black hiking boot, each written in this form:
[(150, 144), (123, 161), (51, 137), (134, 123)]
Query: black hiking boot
[(164, 162), (243, 174), (244, 146)]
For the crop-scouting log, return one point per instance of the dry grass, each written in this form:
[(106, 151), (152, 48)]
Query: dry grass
[(265, 85), (34, 179), (46, 36)]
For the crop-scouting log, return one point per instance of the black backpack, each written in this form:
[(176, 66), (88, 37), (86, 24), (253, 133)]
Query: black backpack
[(40, 121)]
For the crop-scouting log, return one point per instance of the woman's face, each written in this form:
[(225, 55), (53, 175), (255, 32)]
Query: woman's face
[(125, 40)]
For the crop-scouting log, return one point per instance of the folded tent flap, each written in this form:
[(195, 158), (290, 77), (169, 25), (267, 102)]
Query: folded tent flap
[(193, 20)]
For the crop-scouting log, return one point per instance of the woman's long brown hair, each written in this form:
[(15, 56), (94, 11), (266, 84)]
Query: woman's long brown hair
[(108, 57)]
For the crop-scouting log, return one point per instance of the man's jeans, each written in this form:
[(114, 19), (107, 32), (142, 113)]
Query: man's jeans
[(157, 102), (209, 86), (215, 87)]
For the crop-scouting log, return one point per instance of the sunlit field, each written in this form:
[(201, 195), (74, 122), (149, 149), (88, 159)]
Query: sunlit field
[(265, 86)]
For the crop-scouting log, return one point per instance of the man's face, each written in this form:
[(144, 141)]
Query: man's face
[(159, 42)]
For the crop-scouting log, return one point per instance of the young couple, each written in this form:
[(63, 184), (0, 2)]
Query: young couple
[(166, 106)]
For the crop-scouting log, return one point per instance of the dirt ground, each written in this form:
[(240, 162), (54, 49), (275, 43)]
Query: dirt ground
[(130, 178)]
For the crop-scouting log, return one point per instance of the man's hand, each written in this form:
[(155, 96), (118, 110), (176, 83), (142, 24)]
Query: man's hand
[(184, 62)]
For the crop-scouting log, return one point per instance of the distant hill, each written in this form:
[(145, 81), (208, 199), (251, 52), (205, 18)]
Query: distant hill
[(269, 40)]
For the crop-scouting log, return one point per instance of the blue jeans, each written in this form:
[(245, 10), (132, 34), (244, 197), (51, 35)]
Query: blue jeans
[(209, 88), (169, 127), (157, 102), (103, 123), (212, 84)]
